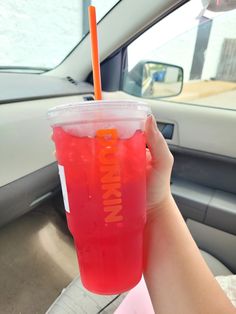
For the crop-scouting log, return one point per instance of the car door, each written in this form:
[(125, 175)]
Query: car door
[(200, 123)]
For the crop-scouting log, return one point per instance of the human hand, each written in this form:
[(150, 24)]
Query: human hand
[(159, 166), (166, 264)]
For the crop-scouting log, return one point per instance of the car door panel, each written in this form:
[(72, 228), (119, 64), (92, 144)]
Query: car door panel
[(191, 198), (220, 244), (212, 129), (221, 211), (204, 172), (206, 169)]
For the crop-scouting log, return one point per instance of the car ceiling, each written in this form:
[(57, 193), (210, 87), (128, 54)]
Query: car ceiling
[(114, 30)]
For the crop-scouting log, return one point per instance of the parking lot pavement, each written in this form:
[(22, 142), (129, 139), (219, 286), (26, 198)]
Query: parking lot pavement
[(209, 93)]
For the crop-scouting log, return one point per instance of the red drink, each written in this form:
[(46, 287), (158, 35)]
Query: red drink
[(101, 155), (109, 242)]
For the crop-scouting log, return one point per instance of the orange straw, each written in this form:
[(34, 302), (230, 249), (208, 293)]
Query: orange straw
[(94, 53)]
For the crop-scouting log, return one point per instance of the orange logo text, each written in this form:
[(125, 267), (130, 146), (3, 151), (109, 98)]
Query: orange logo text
[(110, 175)]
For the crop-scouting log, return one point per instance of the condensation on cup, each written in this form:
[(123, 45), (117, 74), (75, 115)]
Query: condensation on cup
[(101, 153)]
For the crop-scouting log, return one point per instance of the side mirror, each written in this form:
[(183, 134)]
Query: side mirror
[(150, 79)]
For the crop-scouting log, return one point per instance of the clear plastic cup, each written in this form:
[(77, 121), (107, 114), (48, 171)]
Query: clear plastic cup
[(100, 148)]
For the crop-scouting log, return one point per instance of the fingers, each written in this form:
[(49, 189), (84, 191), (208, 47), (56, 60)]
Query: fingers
[(157, 145)]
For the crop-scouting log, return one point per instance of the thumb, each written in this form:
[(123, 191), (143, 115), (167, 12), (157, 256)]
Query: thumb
[(157, 145)]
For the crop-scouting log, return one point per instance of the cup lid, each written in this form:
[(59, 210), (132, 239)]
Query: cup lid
[(98, 110)]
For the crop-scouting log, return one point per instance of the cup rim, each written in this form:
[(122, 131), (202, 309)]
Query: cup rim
[(98, 105)]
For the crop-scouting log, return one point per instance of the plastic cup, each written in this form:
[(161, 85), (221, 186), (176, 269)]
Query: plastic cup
[(101, 153)]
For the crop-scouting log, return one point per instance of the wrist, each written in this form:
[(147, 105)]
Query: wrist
[(159, 209)]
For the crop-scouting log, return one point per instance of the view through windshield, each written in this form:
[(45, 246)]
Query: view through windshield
[(41, 33)]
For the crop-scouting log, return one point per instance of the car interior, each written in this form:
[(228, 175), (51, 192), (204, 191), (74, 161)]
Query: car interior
[(196, 114)]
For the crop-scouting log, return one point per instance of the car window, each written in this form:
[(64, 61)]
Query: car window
[(202, 42), (40, 34)]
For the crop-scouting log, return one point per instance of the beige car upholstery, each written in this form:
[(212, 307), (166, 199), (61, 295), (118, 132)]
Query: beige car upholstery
[(75, 299), (217, 268), (212, 135), (146, 12)]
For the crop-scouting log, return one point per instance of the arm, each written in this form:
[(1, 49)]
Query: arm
[(176, 275)]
